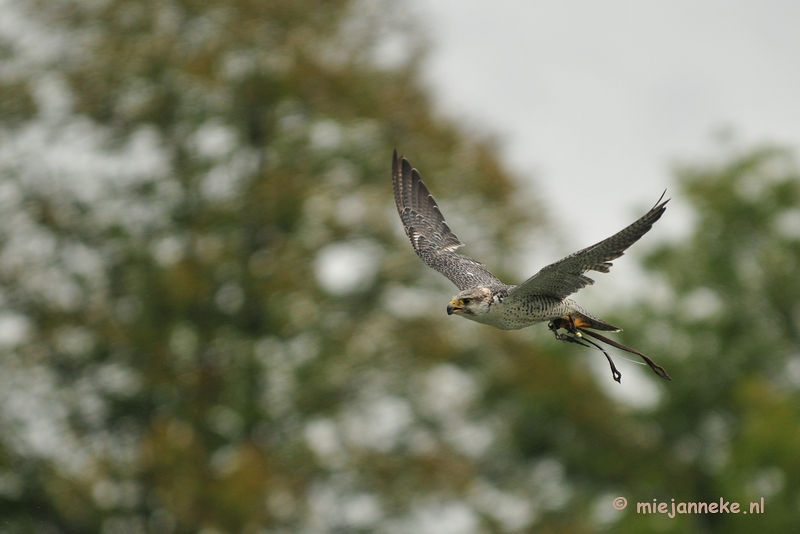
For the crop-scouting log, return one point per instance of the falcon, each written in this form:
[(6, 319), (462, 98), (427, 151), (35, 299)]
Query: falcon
[(542, 297)]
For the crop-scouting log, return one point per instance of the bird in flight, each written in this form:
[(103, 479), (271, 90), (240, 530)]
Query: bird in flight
[(542, 297)]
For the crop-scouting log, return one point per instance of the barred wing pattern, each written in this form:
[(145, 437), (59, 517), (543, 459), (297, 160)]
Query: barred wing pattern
[(432, 239), (566, 276)]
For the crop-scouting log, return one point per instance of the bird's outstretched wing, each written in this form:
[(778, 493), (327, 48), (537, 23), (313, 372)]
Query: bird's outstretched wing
[(566, 276), (429, 234)]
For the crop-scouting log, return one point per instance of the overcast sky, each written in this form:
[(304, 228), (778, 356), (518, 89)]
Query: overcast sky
[(596, 100)]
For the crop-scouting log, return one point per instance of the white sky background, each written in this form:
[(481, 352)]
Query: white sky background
[(596, 100)]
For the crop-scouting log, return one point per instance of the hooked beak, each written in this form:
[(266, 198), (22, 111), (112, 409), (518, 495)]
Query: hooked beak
[(453, 307)]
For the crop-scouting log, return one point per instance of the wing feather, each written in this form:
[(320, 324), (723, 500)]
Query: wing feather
[(430, 236), (566, 276)]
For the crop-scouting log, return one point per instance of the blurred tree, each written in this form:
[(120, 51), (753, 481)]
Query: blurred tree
[(211, 317), (731, 417)]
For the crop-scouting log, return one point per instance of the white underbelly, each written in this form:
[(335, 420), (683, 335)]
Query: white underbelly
[(514, 317)]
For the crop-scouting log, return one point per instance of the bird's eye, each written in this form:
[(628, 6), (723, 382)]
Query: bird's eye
[(466, 301)]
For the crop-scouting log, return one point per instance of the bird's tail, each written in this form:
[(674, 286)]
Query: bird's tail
[(577, 323), (660, 371), (584, 320)]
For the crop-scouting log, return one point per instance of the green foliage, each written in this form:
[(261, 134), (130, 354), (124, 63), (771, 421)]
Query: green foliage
[(730, 417), (169, 206)]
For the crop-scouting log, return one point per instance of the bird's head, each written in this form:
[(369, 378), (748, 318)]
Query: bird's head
[(471, 302)]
